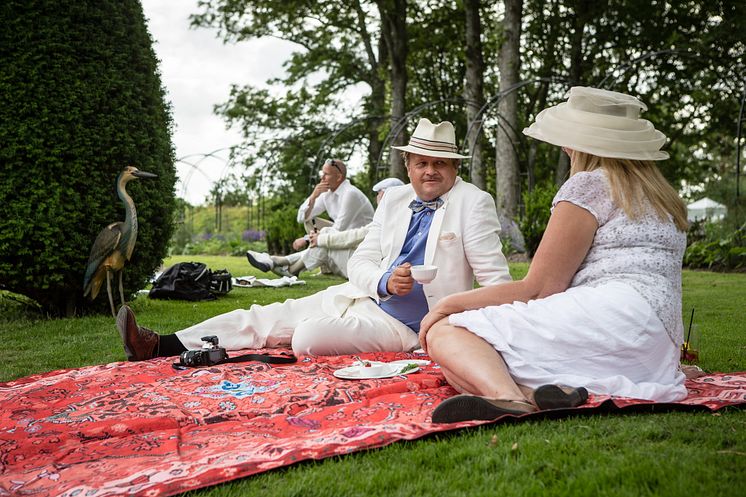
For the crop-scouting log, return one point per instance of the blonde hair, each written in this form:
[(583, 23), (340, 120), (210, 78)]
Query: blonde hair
[(633, 181)]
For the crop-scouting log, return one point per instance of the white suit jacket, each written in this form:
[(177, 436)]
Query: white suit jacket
[(463, 242), (330, 238)]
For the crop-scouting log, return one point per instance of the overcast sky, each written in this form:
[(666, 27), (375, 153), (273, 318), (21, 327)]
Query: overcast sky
[(197, 70)]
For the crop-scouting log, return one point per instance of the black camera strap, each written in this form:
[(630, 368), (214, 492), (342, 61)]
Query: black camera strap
[(271, 359)]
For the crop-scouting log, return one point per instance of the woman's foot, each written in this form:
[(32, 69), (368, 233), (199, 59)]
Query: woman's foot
[(473, 407), (559, 397)]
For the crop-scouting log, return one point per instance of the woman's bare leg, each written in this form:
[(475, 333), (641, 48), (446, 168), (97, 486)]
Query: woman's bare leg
[(470, 364)]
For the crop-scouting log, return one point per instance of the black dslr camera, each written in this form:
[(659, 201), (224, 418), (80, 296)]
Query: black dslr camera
[(209, 355)]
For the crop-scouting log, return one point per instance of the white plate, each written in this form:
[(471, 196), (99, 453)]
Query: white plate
[(359, 373), (404, 362)]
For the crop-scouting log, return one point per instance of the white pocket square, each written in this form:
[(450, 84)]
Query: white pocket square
[(448, 236)]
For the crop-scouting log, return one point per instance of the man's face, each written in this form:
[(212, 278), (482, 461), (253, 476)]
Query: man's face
[(331, 175), (431, 177)]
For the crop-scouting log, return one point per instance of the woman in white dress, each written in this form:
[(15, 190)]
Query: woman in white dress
[(600, 307)]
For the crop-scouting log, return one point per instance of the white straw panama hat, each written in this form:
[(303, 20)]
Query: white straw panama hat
[(387, 183), (600, 122), (433, 140)]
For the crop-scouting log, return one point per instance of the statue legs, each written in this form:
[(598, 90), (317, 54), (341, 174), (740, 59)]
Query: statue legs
[(108, 290), (121, 288)]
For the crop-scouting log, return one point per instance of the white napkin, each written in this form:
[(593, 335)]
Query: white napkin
[(254, 282)]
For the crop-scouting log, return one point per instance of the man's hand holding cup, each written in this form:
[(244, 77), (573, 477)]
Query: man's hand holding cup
[(400, 282)]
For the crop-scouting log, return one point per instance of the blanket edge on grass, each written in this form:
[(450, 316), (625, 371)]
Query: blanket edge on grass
[(144, 428)]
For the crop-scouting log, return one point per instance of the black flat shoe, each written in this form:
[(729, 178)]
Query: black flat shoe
[(557, 397), (473, 407)]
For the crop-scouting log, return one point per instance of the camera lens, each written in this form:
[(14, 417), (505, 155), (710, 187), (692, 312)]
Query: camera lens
[(191, 358)]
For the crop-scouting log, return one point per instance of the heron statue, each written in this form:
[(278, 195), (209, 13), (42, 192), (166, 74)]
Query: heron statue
[(114, 244)]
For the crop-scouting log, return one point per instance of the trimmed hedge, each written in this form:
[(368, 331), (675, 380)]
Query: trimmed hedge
[(80, 98)]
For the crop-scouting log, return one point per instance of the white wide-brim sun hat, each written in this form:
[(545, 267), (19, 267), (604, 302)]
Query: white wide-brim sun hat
[(433, 140), (600, 122)]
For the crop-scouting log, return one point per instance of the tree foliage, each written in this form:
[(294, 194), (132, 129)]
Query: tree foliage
[(80, 98), (685, 60)]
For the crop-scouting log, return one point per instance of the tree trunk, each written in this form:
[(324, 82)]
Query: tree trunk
[(394, 30), (375, 104), (562, 170), (474, 90), (578, 21), (506, 164), (376, 110), (539, 102), (375, 144)]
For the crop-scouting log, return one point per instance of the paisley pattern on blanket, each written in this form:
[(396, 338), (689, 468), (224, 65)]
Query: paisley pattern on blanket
[(143, 428)]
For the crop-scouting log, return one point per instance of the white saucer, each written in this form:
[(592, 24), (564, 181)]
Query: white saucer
[(359, 373)]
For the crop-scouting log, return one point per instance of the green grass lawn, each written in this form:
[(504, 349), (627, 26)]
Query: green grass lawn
[(668, 454)]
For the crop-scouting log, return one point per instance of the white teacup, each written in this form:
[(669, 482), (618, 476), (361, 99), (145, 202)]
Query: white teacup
[(424, 274)]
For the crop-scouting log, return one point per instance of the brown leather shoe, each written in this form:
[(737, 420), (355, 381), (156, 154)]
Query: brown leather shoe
[(140, 343)]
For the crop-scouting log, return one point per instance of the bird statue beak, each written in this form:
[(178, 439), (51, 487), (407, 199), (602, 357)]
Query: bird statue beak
[(143, 174)]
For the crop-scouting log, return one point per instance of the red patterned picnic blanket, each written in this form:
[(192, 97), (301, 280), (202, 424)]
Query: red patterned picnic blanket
[(146, 429)]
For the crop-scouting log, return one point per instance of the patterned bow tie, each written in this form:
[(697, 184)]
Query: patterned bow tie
[(417, 206)]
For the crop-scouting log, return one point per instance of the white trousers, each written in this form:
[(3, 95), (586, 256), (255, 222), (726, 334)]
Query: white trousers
[(334, 259), (313, 257), (301, 323)]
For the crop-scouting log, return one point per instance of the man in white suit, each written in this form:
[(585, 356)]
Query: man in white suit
[(437, 219), (329, 247)]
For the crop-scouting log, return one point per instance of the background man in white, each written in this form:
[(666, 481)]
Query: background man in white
[(380, 308), (334, 194), (329, 247)]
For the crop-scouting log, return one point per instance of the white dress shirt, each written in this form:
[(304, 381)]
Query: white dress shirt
[(347, 206)]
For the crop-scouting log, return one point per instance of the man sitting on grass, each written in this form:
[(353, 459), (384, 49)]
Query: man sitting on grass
[(345, 204), (329, 247), (437, 219)]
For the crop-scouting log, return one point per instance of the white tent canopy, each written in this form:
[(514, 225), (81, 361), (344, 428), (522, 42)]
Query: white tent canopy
[(705, 208)]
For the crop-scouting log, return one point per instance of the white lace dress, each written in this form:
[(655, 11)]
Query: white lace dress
[(617, 330)]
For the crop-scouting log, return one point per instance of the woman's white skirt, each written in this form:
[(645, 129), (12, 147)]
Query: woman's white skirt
[(606, 338)]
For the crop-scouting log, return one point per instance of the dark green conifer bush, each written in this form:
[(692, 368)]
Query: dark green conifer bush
[(80, 98)]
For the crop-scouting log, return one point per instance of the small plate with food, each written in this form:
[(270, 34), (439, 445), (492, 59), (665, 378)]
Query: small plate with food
[(366, 370)]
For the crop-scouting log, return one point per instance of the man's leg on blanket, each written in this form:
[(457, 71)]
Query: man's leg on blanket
[(364, 327), (261, 326)]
